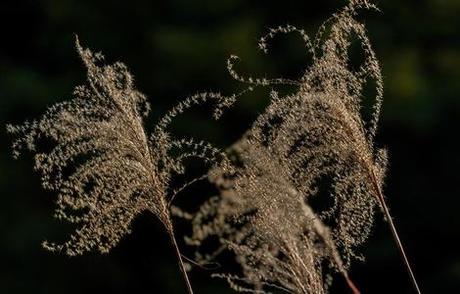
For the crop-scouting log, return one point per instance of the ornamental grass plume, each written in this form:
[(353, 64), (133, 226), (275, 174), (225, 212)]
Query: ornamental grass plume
[(304, 145), (103, 166), (296, 199), (279, 242)]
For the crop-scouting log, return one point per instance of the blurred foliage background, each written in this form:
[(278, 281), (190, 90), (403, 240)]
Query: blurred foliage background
[(179, 47)]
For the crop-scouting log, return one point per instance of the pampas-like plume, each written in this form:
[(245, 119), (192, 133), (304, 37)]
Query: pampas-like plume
[(104, 167), (277, 238), (302, 142)]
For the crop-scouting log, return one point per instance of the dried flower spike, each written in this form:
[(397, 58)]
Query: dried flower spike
[(312, 141), (104, 167)]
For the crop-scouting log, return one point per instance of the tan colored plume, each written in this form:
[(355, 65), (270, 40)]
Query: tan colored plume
[(305, 145)]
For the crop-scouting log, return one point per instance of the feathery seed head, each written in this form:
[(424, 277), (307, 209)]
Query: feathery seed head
[(301, 142), (104, 167)]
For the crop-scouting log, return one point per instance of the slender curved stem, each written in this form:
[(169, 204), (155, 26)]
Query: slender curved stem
[(394, 231), (351, 285), (179, 259)]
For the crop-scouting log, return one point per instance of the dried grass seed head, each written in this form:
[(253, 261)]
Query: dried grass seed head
[(314, 135), (104, 167)]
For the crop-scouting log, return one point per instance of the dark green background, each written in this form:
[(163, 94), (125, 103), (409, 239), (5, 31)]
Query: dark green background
[(176, 48)]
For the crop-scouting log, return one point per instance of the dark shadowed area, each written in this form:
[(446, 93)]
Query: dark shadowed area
[(176, 48)]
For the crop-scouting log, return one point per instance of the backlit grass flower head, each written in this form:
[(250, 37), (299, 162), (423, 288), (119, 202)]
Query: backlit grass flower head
[(104, 166), (313, 145), (297, 197)]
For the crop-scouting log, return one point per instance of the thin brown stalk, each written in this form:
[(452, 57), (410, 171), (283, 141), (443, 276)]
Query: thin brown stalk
[(179, 259), (394, 232), (351, 285)]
